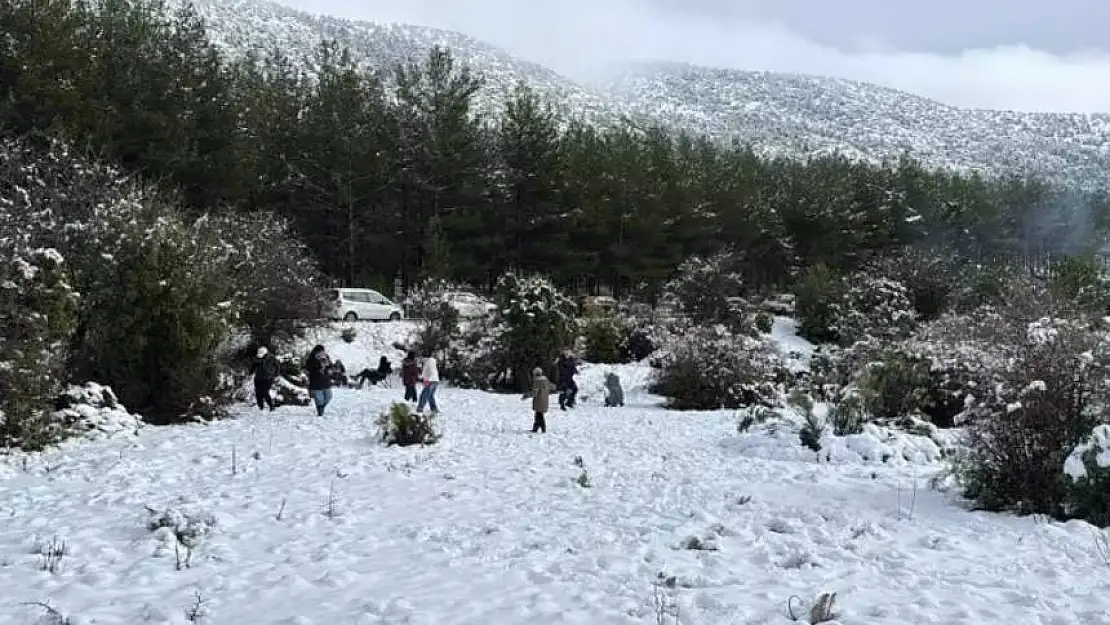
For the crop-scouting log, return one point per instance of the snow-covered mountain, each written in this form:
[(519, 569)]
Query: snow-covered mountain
[(779, 113)]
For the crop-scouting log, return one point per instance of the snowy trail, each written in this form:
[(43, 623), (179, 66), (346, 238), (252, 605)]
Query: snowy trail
[(489, 527)]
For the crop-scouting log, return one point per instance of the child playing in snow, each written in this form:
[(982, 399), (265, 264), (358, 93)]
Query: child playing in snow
[(541, 399), (615, 395)]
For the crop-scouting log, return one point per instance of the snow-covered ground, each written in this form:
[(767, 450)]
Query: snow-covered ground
[(316, 524), (796, 350)]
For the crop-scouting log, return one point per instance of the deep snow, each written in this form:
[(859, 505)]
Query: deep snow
[(490, 527)]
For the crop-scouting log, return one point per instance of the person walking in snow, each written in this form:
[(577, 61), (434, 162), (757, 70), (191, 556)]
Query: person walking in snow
[(265, 369), (615, 394), (541, 399), (410, 374), (319, 378), (566, 367), (429, 376)]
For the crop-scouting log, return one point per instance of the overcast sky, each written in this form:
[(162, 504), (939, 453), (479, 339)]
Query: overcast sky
[(1033, 55)]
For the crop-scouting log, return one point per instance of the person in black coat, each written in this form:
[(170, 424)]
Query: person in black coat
[(410, 375), (319, 367), (566, 367), (384, 370), (265, 369)]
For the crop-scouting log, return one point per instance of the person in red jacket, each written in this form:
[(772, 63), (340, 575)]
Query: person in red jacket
[(410, 374)]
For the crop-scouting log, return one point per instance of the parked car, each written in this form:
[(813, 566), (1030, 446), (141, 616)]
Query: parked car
[(363, 305), (469, 305)]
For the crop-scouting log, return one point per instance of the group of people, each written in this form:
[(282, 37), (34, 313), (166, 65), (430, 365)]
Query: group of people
[(566, 367), (425, 373), (323, 373)]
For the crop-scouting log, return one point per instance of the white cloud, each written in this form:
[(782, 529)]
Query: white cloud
[(580, 37)]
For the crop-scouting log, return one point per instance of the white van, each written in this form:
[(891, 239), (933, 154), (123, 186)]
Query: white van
[(363, 304)]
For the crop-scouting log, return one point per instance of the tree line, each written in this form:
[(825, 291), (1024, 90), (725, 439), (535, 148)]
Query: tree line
[(392, 174)]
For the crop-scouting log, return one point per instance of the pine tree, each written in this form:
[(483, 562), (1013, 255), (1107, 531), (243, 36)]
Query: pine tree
[(437, 258)]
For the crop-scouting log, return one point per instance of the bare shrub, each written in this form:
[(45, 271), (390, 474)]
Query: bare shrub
[(1046, 403), (713, 368)]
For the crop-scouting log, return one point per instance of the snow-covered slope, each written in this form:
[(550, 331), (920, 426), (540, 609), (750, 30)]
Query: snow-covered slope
[(240, 26), (315, 524), (811, 114), (779, 113), (612, 517)]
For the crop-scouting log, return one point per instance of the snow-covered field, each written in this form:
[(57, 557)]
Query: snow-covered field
[(315, 524)]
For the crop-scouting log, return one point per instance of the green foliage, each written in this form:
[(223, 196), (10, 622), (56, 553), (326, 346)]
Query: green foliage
[(930, 277), (160, 290), (38, 313), (539, 323), (848, 415), (402, 427), (1089, 494), (708, 291), (155, 317), (605, 339), (896, 386), (763, 322), (390, 173), (1080, 283), (442, 325), (812, 428), (437, 253), (818, 292)]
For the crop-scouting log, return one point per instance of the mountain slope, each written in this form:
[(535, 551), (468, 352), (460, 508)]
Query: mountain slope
[(816, 114), (778, 113), (239, 26)]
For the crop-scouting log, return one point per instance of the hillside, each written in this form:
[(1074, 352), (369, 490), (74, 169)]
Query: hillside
[(240, 26), (778, 113), (818, 114)]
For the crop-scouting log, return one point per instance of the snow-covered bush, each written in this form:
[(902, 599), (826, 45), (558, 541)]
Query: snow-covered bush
[(1022, 430), (92, 411), (874, 306), (1088, 470), (930, 277), (402, 427), (708, 291), (442, 325), (763, 322), (277, 285), (713, 367), (160, 291), (981, 284), (848, 415), (642, 343), (1081, 284), (38, 314), (475, 358), (180, 532), (426, 299), (895, 386), (155, 340), (605, 338), (538, 322), (931, 375), (966, 356)]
